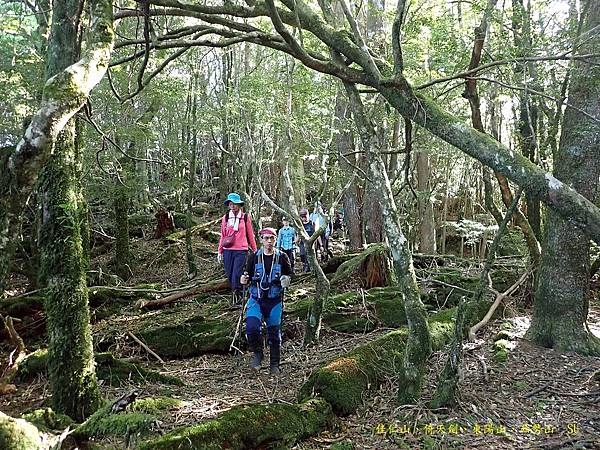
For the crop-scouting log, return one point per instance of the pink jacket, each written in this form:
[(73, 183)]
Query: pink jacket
[(243, 239)]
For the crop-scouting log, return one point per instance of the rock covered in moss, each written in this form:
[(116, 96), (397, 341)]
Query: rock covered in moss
[(250, 426)]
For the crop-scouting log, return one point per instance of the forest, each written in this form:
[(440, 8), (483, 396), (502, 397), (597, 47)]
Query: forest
[(296, 224)]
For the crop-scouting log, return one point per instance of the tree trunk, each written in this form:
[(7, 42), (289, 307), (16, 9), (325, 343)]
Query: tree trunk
[(418, 345), (427, 239), (63, 96), (71, 361), (562, 297), (193, 148)]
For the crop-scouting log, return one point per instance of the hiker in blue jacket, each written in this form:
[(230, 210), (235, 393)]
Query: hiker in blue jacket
[(268, 272), (286, 239)]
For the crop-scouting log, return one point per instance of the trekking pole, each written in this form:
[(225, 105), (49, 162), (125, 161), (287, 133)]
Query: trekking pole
[(239, 322)]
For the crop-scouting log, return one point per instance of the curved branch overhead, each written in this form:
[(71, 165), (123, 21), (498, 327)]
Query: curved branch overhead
[(401, 95)]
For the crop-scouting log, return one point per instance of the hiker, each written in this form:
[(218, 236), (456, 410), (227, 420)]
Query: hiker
[(286, 238), (268, 272), (237, 236), (310, 229), (318, 220)]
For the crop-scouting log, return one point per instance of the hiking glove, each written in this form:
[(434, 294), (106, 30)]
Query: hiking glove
[(219, 258), (285, 281)]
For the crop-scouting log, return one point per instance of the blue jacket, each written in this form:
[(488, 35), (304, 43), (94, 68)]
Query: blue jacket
[(266, 285), (286, 237)]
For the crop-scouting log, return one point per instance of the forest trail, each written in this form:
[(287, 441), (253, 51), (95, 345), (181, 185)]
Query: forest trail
[(538, 398)]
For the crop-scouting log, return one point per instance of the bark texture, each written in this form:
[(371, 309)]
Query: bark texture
[(562, 298)]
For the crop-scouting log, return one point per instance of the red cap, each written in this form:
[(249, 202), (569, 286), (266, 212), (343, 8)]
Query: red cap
[(268, 232)]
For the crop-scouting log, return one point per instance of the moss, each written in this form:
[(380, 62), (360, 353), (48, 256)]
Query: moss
[(250, 426), (501, 349), (46, 419), (181, 220), (346, 312), (190, 337), (155, 405), (357, 267), (343, 381), (139, 418), (109, 368), (115, 371), (18, 434), (21, 306), (33, 364), (345, 445)]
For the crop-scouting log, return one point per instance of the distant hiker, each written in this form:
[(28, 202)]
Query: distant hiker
[(310, 230), (286, 239), (318, 220), (237, 236), (268, 272)]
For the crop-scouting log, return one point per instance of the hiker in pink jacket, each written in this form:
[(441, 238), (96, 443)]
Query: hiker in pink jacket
[(237, 237)]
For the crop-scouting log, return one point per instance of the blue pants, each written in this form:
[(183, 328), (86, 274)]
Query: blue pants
[(234, 261), (270, 310)]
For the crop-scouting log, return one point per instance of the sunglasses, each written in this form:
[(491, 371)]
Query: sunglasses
[(269, 238)]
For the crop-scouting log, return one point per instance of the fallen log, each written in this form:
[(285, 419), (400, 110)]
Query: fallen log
[(250, 426), (344, 381), (221, 285), (204, 230), (113, 370)]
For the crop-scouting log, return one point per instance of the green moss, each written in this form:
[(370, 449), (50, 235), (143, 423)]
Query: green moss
[(21, 306), (139, 418), (346, 312), (155, 405), (17, 434), (46, 419), (181, 220), (345, 445), (344, 381), (501, 349), (355, 267), (33, 364), (190, 337), (250, 426), (116, 371), (521, 385), (109, 368)]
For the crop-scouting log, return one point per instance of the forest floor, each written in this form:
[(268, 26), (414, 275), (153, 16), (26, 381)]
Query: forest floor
[(536, 399)]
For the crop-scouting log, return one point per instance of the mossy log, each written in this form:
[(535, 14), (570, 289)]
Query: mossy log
[(204, 230), (332, 264), (370, 268), (358, 311), (221, 285), (18, 434), (193, 336), (113, 370), (140, 418), (345, 380), (250, 426)]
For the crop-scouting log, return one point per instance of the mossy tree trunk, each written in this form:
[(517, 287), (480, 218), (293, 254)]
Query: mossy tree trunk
[(63, 96), (562, 297), (121, 203), (193, 147), (63, 260)]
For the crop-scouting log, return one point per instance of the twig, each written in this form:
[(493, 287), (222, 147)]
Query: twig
[(148, 349)]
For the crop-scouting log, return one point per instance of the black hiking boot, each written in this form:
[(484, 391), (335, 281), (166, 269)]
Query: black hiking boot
[(256, 360), (274, 358)]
